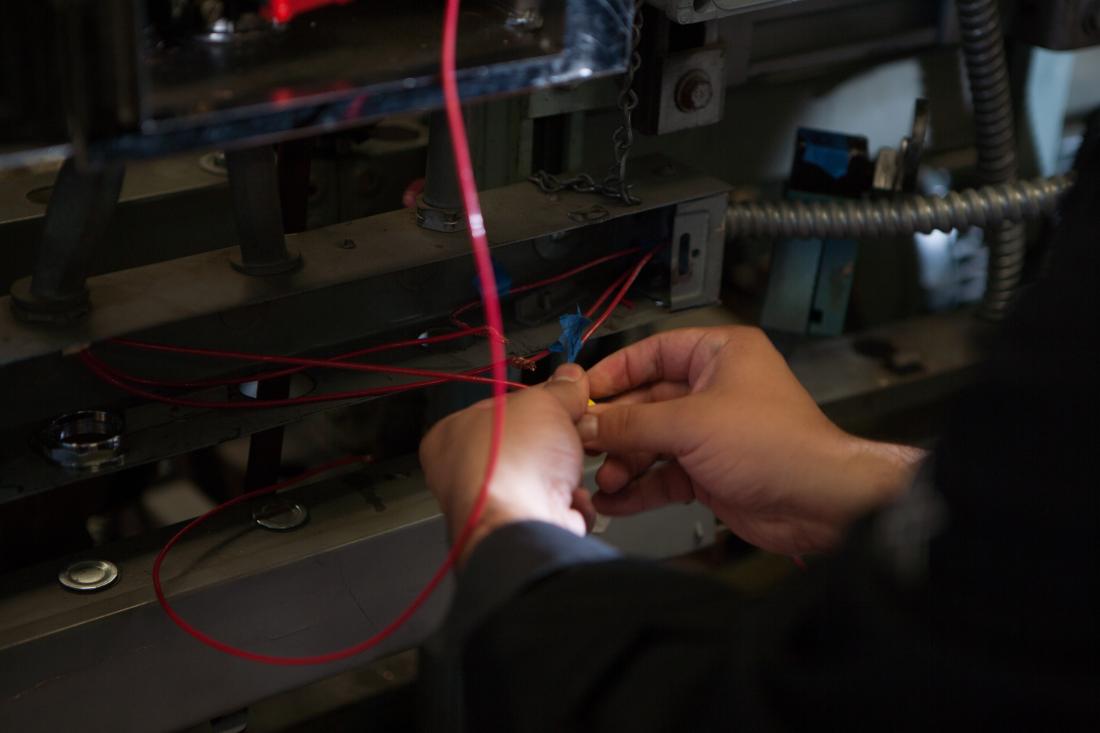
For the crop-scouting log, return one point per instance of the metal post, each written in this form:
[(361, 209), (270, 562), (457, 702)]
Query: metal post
[(439, 208), (265, 448), (256, 207), (81, 206)]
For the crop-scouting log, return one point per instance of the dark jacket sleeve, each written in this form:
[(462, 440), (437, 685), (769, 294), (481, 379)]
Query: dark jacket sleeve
[(971, 603)]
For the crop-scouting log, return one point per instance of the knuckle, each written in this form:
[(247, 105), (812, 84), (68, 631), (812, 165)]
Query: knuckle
[(617, 422), (748, 335)]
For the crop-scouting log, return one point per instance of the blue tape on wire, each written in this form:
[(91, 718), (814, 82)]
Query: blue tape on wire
[(573, 326)]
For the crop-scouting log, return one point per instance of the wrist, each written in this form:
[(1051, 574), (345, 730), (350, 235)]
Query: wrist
[(493, 517), (881, 473)]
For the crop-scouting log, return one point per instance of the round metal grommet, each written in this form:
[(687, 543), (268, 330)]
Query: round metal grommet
[(281, 516), (86, 440), (88, 576)]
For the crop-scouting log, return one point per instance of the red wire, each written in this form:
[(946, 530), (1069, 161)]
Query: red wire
[(623, 282), (261, 376), (616, 283), (480, 244), (628, 282), (124, 381), (306, 362), (546, 281), (118, 379), (335, 361)]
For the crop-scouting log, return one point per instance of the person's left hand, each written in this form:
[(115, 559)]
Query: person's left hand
[(538, 472)]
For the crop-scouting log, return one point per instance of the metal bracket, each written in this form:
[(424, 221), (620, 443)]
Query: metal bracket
[(698, 245)]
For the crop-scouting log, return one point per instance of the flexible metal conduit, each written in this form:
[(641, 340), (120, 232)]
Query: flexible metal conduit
[(995, 137), (999, 208), (986, 207)]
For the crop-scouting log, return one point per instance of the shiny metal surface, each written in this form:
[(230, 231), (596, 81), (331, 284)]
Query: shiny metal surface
[(89, 576), (280, 515), (871, 219), (86, 440), (374, 537)]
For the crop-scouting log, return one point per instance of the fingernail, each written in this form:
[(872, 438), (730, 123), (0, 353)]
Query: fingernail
[(587, 427), (567, 373)]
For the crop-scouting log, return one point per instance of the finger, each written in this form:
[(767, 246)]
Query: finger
[(657, 392), (582, 504), (664, 484), (619, 470), (663, 357), (575, 522), (658, 427), (569, 385)]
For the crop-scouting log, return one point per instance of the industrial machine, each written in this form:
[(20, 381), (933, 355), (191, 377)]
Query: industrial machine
[(232, 250)]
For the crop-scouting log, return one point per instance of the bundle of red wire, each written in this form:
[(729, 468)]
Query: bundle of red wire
[(138, 386), (498, 367)]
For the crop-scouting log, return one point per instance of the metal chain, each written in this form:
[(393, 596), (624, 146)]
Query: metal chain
[(614, 184)]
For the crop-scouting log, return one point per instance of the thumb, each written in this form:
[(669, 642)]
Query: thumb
[(657, 427), (569, 385)]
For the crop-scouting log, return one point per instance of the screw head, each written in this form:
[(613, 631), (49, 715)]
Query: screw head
[(693, 92), (88, 576), (280, 515)]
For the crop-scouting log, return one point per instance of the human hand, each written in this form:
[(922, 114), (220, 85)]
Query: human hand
[(538, 471), (715, 415)]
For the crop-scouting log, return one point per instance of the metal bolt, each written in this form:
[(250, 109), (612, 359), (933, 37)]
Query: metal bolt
[(89, 576), (693, 92)]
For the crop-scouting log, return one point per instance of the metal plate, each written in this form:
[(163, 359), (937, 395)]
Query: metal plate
[(374, 539), (335, 69), (154, 295)]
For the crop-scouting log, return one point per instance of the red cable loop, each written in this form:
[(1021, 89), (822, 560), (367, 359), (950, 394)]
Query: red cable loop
[(125, 381), (623, 283), (480, 244)]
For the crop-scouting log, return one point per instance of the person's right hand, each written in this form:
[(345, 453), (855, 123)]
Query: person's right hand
[(715, 415)]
